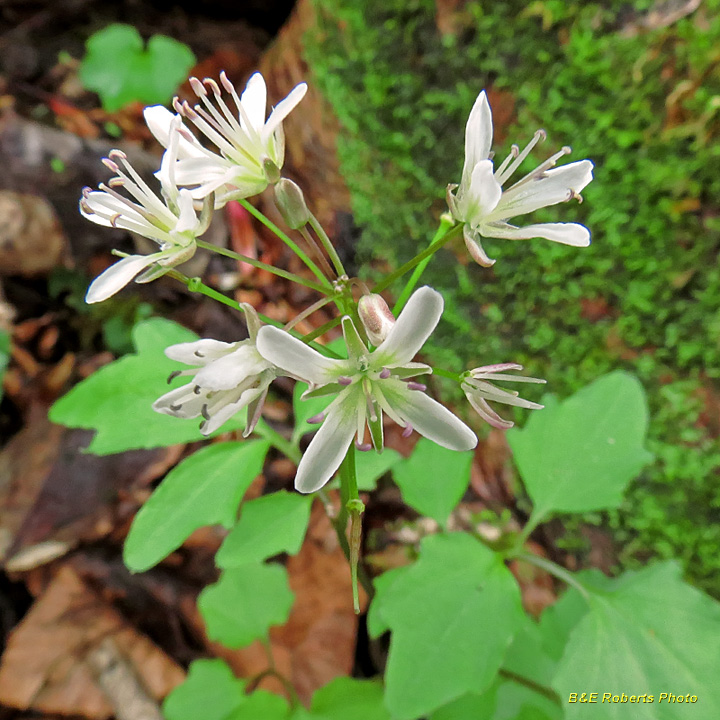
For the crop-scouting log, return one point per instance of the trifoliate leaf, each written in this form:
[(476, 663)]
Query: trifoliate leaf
[(117, 399), (119, 68), (452, 615), (245, 603), (433, 479), (348, 699), (204, 489), (579, 455), (210, 691), (269, 525), (646, 633)]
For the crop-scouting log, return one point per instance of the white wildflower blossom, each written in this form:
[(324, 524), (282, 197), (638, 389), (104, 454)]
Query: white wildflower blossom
[(478, 389), (250, 148), (170, 220), (227, 378), (485, 207), (368, 384)]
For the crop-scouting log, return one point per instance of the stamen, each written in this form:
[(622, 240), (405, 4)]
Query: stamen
[(117, 155), (198, 87), (197, 389), (226, 82), (416, 386), (407, 432), (204, 412), (86, 208), (363, 447), (108, 163), (514, 152), (185, 133), (189, 112), (86, 191), (539, 171), (116, 182), (540, 134), (173, 375), (209, 82), (316, 419), (197, 353), (344, 380), (385, 374), (176, 408), (114, 219)]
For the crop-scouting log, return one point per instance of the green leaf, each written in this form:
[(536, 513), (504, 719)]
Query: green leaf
[(204, 489), (579, 455), (261, 705), (245, 603), (433, 479), (4, 356), (210, 691), (517, 702), (117, 399), (119, 68), (345, 698), (468, 707), (645, 632), (452, 615), (269, 525)]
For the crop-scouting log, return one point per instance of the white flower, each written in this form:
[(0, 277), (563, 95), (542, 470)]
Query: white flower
[(479, 390), (251, 148), (368, 384), (228, 378), (484, 207), (169, 220)]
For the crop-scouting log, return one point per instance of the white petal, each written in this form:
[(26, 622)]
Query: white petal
[(254, 101), (229, 371), (565, 233), (328, 448), (181, 402), (478, 136), (199, 352), (282, 110), (433, 420), (159, 120), (483, 195), (117, 276), (477, 253), (222, 415), (282, 349), (553, 186), (188, 217), (412, 328)]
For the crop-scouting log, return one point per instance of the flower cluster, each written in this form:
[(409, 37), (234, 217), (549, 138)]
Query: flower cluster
[(378, 377)]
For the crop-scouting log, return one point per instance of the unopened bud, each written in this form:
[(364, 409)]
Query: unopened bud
[(376, 317), (291, 204)]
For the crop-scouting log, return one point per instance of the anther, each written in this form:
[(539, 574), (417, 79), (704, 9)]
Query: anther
[(86, 208), (188, 112), (197, 389), (344, 380), (175, 408), (86, 191), (385, 374), (173, 375), (514, 150), (197, 353), (363, 447), (204, 412), (407, 432), (316, 419), (114, 219), (226, 82), (116, 182), (108, 163), (117, 155), (416, 386), (209, 82), (541, 135), (198, 87), (185, 133), (177, 105)]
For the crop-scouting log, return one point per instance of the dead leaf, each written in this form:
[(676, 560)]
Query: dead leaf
[(44, 665)]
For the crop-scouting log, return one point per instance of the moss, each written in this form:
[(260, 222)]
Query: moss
[(645, 296)]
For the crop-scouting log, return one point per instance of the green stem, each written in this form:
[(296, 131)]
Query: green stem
[(278, 441), (445, 225), (327, 244), (272, 671), (446, 374), (270, 225), (321, 330), (352, 506), (410, 264), (554, 569), (263, 266), (196, 285), (547, 692)]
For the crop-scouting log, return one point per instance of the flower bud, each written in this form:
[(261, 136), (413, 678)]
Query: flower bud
[(291, 204), (376, 317)]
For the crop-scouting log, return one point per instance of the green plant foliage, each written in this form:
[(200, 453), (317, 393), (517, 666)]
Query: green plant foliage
[(117, 399), (347, 699), (210, 691), (645, 632), (4, 356), (261, 705), (452, 615), (433, 479), (645, 296), (580, 454), (245, 603), (204, 489), (120, 69), (268, 526), (468, 707)]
